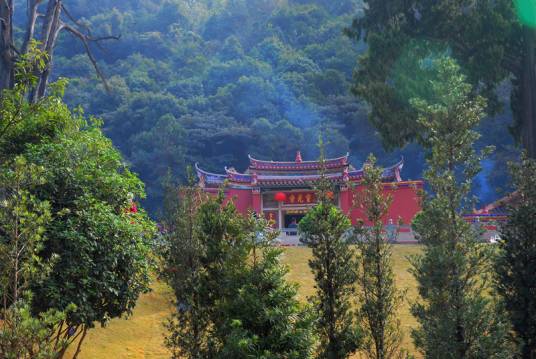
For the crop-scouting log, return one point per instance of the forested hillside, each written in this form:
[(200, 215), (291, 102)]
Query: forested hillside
[(210, 81)]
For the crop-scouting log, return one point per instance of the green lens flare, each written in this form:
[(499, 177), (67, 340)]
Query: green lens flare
[(526, 11)]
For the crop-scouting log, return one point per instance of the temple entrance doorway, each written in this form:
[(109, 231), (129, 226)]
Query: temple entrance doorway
[(292, 220)]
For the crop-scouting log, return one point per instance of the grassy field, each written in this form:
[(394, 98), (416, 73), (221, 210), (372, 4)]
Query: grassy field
[(141, 336)]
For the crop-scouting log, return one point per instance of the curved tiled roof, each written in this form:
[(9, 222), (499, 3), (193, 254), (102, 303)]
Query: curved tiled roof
[(235, 176), (255, 164), (208, 177), (391, 173)]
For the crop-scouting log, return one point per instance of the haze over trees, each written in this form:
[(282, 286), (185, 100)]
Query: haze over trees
[(211, 81), (494, 42)]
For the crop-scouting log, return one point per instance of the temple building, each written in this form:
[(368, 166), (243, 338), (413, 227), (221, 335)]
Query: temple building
[(284, 191)]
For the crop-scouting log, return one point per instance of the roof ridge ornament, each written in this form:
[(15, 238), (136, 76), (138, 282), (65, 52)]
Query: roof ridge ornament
[(298, 157)]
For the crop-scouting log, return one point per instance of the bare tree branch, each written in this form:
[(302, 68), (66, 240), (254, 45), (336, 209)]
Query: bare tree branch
[(53, 23), (85, 41), (51, 29), (88, 34), (74, 20)]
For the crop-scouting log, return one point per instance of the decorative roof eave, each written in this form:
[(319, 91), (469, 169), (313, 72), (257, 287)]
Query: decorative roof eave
[(209, 178), (235, 176), (501, 205), (297, 182), (297, 165), (392, 172)]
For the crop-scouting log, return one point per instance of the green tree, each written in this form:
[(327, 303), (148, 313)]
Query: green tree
[(24, 335), (232, 298), (98, 247), (23, 218), (492, 40), (378, 297), (23, 123), (224, 239), (325, 229), (333, 264), (182, 269), (103, 248), (516, 261), (457, 317), (265, 319), (217, 257)]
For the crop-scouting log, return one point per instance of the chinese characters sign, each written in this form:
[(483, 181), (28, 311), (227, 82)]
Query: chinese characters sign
[(300, 198)]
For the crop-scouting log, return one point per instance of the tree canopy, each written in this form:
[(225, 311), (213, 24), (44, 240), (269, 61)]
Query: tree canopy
[(211, 81)]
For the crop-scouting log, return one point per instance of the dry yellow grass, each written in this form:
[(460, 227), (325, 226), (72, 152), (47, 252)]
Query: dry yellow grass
[(141, 336), (296, 258)]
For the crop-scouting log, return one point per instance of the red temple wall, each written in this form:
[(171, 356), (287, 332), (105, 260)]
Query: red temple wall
[(405, 203), (242, 199)]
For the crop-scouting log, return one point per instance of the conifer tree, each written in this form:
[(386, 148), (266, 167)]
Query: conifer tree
[(378, 297), (325, 229), (516, 262), (457, 317), (233, 300), (182, 270), (206, 252), (264, 319)]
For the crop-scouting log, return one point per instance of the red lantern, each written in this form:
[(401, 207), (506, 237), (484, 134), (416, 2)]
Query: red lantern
[(133, 208), (280, 197)]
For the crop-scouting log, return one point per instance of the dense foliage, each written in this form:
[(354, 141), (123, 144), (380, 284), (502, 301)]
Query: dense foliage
[(457, 317), (211, 81), (485, 37), (22, 225), (181, 268), (232, 298), (516, 262), (378, 297), (326, 230), (103, 249), (73, 248)]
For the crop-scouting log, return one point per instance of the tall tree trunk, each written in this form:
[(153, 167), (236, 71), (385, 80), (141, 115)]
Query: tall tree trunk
[(528, 92), (49, 34), (51, 25), (30, 26), (7, 49)]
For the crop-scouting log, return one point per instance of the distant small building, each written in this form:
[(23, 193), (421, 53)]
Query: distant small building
[(284, 191), (491, 216)]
